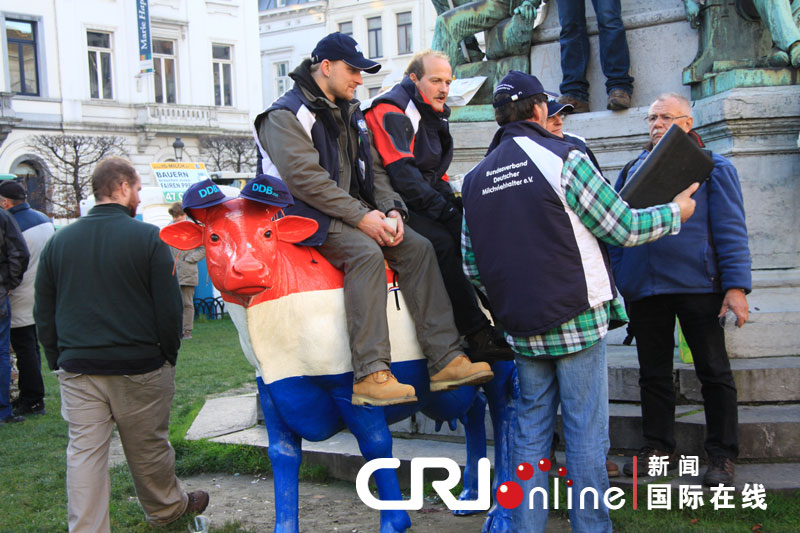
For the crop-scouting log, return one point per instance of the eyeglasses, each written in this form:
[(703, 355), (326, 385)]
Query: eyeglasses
[(666, 119)]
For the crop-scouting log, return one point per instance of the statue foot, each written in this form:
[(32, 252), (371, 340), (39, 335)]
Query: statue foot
[(470, 495), (395, 521), (498, 520), (794, 54)]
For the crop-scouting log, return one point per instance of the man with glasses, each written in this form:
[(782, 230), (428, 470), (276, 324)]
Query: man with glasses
[(698, 276)]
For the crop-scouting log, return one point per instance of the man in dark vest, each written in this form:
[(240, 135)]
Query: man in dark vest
[(536, 213), (315, 138), (412, 136)]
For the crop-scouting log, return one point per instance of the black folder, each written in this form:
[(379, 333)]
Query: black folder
[(675, 162)]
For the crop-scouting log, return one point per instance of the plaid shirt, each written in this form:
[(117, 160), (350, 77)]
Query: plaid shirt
[(609, 218)]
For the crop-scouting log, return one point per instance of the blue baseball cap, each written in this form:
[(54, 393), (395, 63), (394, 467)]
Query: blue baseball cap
[(340, 47), (516, 85), (267, 190), (203, 194), (554, 108)]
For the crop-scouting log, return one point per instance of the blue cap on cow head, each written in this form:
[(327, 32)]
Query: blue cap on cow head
[(202, 194), (267, 190)]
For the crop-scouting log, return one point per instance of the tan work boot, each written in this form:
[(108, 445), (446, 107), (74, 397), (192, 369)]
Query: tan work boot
[(461, 371), (382, 388)]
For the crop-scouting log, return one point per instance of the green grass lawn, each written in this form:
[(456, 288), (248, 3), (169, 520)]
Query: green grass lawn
[(33, 495)]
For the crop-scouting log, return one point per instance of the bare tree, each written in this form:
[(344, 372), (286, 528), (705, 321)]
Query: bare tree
[(229, 152), (70, 160)]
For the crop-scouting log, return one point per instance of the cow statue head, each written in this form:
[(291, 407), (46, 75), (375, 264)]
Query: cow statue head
[(242, 237)]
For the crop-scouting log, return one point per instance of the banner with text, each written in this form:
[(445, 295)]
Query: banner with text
[(175, 178), (143, 32)]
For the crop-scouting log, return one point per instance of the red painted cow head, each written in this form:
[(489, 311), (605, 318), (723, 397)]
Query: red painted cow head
[(242, 241)]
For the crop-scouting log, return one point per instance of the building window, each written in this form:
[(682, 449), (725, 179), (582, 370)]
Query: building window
[(223, 65), (373, 91), (22, 61), (164, 71), (375, 32), (346, 28), (282, 79), (99, 44), (404, 33)]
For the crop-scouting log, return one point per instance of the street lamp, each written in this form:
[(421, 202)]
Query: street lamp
[(178, 147)]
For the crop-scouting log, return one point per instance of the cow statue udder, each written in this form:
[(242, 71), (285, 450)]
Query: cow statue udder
[(287, 303)]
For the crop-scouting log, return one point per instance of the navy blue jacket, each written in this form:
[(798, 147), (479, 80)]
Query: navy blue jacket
[(535, 262), (709, 255)]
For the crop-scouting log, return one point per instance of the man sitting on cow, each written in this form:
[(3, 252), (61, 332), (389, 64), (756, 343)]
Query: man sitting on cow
[(315, 138), (412, 136)]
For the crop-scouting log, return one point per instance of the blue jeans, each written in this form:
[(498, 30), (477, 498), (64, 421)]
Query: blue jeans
[(579, 382), (615, 59), (5, 360)]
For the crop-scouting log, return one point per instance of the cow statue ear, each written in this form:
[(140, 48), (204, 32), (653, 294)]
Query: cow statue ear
[(182, 235), (295, 229)]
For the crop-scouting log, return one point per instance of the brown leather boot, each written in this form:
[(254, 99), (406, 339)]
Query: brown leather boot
[(198, 501), (578, 106), (382, 388), (461, 371), (618, 100)]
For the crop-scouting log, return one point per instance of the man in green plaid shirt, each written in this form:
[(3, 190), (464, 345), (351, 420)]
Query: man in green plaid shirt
[(536, 215)]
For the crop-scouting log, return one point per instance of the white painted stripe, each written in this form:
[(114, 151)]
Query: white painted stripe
[(305, 334), (594, 269)]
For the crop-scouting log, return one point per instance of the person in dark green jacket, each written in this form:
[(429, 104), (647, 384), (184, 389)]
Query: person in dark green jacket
[(109, 316)]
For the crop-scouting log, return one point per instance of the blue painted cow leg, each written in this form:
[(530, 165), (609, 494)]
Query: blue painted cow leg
[(285, 454), (368, 425), (500, 393), (475, 436)]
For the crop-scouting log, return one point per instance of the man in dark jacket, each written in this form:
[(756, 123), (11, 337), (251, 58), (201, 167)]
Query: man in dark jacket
[(108, 313), (697, 276), (315, 139), (14, 258), (412, 136), (536, 212), (36, 229)]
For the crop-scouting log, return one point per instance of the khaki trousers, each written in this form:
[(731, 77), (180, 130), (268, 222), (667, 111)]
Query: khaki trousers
[(139, 404), (187, 293), (414, 260)]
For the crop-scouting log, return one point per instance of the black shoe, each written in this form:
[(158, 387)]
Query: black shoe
[(720, 470), (643, 460), (12, 419), (33, 409), (483, 346)]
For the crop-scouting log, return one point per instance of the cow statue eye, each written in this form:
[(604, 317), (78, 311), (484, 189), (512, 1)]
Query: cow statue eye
[(268, 234), (214, 237)]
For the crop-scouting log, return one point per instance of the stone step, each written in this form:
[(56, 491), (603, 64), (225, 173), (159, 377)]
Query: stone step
[(763, 379), (230, 420)]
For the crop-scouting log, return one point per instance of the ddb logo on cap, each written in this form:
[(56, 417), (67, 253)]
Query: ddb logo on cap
[(203, 194), (267, 190)]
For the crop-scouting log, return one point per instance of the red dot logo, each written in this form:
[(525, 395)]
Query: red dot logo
[(509, 495), (544, 465), (569, 483), (562, 471), (524, 471)]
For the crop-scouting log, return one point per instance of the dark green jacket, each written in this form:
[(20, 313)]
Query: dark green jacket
[(105, 292)]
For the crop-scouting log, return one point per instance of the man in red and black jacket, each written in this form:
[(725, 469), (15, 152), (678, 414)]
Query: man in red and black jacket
[(412, 135)]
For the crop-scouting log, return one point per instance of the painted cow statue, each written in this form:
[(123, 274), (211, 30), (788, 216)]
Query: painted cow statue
[(287, 304)]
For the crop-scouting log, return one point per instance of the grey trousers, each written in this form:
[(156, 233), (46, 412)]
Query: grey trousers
[(365, 293), (187, 294), (139, 404)]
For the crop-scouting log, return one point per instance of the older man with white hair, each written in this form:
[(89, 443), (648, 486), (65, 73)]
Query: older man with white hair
[(697, 275)]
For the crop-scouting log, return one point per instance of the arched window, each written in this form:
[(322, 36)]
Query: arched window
[(31, 174)]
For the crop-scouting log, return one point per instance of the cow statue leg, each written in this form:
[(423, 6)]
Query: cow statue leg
[(475, 436), (368, 425), (285, 454), (501, 392)]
